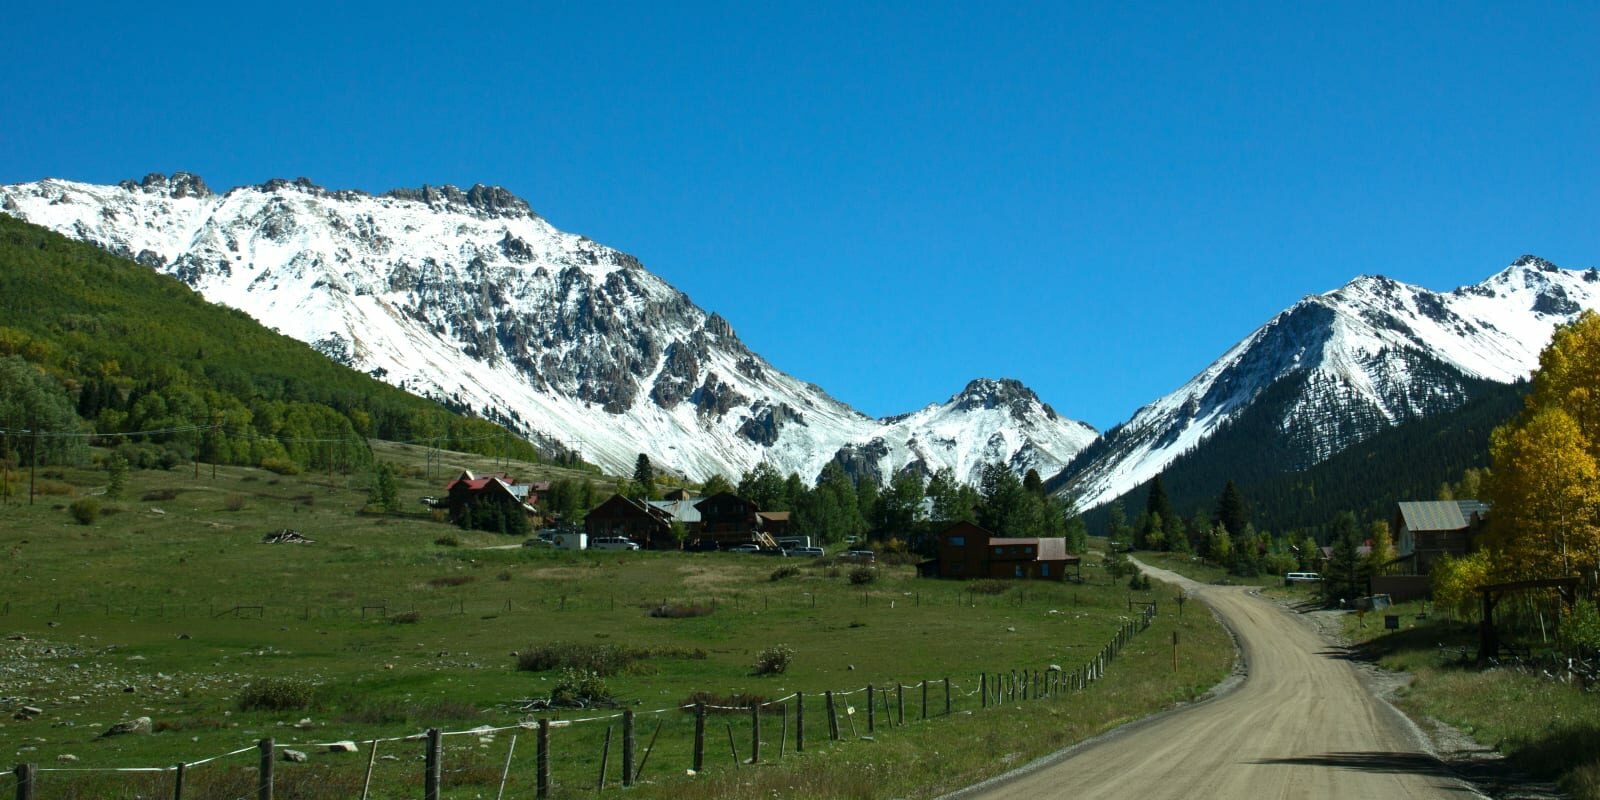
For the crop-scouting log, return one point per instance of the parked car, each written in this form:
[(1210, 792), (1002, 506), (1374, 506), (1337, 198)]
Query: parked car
[(744, 548), (808, 552), (612, 543), (1292, 578), (776, 552), (861, 556)]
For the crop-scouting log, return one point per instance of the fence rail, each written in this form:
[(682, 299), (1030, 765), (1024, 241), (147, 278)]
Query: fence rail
[(884, 706)]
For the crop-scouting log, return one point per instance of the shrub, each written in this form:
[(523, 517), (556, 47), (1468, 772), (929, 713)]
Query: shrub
[(784, 572), (282, 466), (1580, 632), (1139, 581), (452, 580), (990, 587), (85, 511), (448, 540), (861, 576), (160, 494), (773, 660), (601, 659), (674, 611), (406, 618), (275, 694), (579, 686), (54, 488), (233, 502)]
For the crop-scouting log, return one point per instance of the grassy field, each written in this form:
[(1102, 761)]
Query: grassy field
[(170, 606)]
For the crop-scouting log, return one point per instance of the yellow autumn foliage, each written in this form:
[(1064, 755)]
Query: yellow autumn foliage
[(1455, 582)]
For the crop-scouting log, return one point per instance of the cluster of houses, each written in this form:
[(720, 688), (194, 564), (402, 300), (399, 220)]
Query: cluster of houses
[(681, 521), (1424, 532)]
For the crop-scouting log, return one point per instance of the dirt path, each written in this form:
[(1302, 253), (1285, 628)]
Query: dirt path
[(1300, 725)]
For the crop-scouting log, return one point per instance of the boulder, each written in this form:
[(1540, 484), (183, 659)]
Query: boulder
[(343, 747), (141, 726), (293, 755)]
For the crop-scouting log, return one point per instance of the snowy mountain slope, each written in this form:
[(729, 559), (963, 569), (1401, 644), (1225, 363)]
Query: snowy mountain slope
[(1368, 355), (469, 297)]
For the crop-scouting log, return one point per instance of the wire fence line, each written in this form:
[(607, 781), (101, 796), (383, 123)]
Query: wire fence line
[(997, 689)]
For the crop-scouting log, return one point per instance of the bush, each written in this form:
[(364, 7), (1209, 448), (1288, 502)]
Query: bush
[(861, 576), (275, 694), (774, 660), (233, 502), (85, 511), (406, 618), (600, 659), (579, 686), (783, 572), (1139, 582), (1580, 633), (679, 611), (448, 540), (160, 494), (990, 587), (452, 580), (282, 466)]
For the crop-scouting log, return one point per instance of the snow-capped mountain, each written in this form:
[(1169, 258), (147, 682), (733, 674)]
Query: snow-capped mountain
[(469, 297), (1371, 354)]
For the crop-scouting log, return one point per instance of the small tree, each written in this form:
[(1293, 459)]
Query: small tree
[(117, 480), (644, 478), (385, 492), (1346, 577)]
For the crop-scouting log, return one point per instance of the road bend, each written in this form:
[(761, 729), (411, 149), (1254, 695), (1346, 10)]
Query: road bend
[(1301, 725)]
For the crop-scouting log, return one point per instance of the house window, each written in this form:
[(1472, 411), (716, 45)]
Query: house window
[(1018, 569), (1028, 550), (999, 551), (1044, 569), (958, 541)]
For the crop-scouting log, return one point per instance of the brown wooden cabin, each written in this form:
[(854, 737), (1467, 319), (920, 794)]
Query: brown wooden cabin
[(648, 526), (728, 519), (468, 489), (967, 550)]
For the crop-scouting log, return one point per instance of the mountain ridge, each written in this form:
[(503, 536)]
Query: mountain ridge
[(470, 297)]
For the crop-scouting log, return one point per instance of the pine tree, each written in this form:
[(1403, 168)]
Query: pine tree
[(1031, 482), (1345, 578), (117, 476), (1231, 511), (714, 485), (644, 478), (1157, 504)]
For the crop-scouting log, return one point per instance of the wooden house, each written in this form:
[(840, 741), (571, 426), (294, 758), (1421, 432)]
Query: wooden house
[(728, 519), (648, 526), (969, 551), (467, 490)]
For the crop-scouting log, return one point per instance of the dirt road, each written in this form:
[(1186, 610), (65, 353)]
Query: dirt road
[(1301, 725)]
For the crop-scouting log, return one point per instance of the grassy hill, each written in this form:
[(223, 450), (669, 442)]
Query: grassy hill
[(131, 350)]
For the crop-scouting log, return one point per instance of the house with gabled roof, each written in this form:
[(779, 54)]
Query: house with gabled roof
[(1425, 531), (468, 489), (648, 526), (967, 550)]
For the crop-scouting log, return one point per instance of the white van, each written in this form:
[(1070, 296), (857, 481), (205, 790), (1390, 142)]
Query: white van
[(1292, 578), (612, 543)]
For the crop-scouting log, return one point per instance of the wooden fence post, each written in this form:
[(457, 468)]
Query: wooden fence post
[(605, 756), (924, 698), (783, 730), (899, 703), (264, 771), (372, 759), (627, 747), (947, 696), (699, 737), (833, 718), (431, 766), (542, 761), (177, 780), (871, 713), (799, 722), (755, 733), (26, 774), (983, 688), (506, 771), (733, 749)]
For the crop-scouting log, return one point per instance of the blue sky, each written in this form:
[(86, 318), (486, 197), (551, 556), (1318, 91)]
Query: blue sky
[(890, 199)]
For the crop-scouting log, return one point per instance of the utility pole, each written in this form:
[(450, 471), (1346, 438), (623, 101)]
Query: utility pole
[(33, 456)]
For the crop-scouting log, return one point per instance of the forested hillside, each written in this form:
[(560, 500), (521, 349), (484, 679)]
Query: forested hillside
[(123, 349), (1408, 461)]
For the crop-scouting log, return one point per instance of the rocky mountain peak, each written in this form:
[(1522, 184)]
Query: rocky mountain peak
[(486, 201), (1008, 393), (1533, 262), (180, 184)]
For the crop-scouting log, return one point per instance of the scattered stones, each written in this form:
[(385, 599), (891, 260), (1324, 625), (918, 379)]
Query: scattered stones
[(140, 726), (27, 712), (293, 755)]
